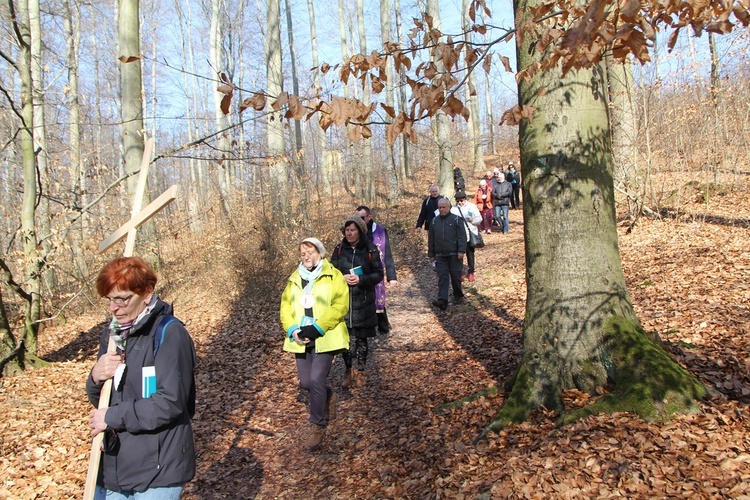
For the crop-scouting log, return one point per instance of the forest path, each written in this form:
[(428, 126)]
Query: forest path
[(387, 439)]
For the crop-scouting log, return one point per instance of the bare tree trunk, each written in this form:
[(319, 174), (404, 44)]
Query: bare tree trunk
[(131, 84), (719, 128), (474, 126), (131, 88), (72, 26), (488, 109), (319, 145), (367, 166), (394, 192), (34, 262), (403, 144), (295, 86), (188, 79), (441, 123), (623, 125), (221, 120), (40, 138), (279, 163)]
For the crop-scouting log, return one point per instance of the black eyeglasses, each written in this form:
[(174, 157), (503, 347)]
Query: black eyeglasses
[(119, 301)]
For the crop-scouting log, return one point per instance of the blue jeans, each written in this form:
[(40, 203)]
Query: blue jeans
[(166, 493), (501, 214)]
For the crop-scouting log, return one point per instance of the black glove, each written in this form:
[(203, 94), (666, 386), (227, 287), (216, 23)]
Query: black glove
[(309, 332)]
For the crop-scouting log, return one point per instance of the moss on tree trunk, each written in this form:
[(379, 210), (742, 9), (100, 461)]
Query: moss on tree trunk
[(647, 380)]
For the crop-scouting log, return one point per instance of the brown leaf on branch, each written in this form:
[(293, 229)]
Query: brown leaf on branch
[(514, 115), (226, 89), (226, 102), (257, 102), (128, 59), (295, 110), (506, 64), (280, 101), (389, 110), (377, 84), (487, 64)]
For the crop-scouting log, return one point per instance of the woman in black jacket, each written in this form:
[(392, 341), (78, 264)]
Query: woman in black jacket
[(149, 438), (358, 259)]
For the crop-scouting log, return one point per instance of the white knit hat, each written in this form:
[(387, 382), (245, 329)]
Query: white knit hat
[(316, 242)]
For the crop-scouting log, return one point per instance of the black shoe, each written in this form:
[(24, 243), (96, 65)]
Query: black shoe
[(458, 300), (440, 304)]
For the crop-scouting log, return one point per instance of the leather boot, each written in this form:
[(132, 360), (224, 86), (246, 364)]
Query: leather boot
[(314, 437), (360, 380), (348, 377)]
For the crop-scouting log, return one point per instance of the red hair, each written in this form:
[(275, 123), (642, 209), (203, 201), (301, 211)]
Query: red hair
[(128, 274)]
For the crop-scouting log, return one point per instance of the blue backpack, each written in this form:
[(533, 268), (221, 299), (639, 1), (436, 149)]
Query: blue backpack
[(160, 330)]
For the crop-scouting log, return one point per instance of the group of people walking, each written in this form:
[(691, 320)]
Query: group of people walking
[(455, 231), (148, 449), (327, 301)]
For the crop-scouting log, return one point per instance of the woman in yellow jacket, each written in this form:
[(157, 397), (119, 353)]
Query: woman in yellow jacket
[(313, 306)]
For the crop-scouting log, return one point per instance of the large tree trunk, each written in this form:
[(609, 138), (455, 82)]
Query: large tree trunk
[(40, 138), (274, 83), (34, 262), (131, 84), (441, 124), (580, 330)]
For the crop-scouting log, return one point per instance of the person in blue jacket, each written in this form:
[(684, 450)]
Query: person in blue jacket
[(148, 441)]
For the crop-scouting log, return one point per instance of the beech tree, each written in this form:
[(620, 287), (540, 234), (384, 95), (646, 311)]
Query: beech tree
[(580, 329)]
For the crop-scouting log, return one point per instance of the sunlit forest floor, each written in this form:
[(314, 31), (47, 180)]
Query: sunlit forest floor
[(689, 276)]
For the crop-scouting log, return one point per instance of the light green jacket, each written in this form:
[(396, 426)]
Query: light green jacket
[(331, 294)]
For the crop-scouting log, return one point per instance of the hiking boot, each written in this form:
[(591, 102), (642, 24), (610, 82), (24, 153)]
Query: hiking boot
[(360, 379), (331, 407), (348, 376), (471, 277), (440, 304), (314, 437)]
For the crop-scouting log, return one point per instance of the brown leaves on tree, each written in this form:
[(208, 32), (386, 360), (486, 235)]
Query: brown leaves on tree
[(514, 115)]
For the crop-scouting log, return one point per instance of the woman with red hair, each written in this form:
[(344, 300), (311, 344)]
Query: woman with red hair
[(148, 441)]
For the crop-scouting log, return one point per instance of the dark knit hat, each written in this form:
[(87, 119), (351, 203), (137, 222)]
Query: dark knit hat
[(460, 195), (356, 219)]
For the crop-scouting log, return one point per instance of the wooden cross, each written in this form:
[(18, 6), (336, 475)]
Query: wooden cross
[(138, 218)]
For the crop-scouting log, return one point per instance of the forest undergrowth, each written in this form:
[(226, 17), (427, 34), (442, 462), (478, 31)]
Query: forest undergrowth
[(399, 436)]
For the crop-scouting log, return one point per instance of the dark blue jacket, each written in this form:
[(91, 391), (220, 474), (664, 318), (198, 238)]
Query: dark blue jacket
[(155, 436)]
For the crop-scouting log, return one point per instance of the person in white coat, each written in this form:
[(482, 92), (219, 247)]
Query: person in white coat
[(469, 212)]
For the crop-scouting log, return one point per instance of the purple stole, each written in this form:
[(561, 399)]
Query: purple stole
[(378, 238)]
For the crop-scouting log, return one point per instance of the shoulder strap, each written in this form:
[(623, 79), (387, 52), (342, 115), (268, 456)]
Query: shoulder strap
[(160, 330)]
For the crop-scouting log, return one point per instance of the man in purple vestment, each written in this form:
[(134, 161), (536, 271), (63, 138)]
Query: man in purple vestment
[(379, 236)]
